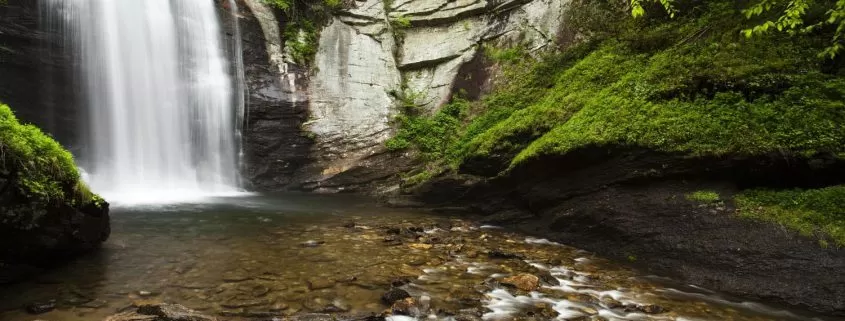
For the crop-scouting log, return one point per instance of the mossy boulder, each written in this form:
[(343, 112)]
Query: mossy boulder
[(46, 212)]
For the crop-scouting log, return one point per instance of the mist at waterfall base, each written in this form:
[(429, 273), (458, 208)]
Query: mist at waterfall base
[(164, 103)]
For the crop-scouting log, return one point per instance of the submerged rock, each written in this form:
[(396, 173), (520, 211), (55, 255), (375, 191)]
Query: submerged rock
[(41, 307), (498, 254), (407, 306), (524, 282), (160, 312), (394, 295)]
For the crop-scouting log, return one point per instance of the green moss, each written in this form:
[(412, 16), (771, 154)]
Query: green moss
[(301, 28), (301, 40), (505, 55), (400, 22), (707, 197), (45, 172), (431, 135), (812, 212), (691, 85)]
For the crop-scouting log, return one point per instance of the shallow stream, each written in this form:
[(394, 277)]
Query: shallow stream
[(267, 256)]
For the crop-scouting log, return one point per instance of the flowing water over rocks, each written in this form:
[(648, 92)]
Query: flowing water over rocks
[(309, 257)]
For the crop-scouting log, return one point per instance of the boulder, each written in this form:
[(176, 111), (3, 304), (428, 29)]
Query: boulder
[(524, 282)]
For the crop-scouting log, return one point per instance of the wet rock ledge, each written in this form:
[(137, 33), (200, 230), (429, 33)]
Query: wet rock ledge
[(631, 205)]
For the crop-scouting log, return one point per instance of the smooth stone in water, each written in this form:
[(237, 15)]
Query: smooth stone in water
[(394, 295), (407, 306), (41, 307), (524, 282)]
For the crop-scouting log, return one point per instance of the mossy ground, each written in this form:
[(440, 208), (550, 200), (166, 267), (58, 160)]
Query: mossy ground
[(813, 212), (692, 85), (704, 196), (42, 170)]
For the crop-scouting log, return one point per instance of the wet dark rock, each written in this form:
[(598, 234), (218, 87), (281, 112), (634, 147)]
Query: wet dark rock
[(582, 298), (407, 306), (252, 314), (172, 312), (498, 254), (349, 224), (394, 295), (547, 278), (443, 225), (392, 240), (335, 308), (611, 303), (333, 317), (645, 308), (601, 202), (467, 317), (542, 311), (524, 282), (397, 282), (324, 305), (40, 307)]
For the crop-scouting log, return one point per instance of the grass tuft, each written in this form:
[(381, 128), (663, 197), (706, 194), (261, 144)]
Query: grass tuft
[(708, 197)]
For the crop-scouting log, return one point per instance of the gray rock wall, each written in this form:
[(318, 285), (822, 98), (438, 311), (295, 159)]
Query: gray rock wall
[(369, 55)]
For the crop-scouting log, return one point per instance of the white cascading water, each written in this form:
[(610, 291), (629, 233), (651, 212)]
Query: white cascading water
[(164, 109)]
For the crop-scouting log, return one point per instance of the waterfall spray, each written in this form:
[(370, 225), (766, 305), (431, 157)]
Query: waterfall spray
[(164, 111)]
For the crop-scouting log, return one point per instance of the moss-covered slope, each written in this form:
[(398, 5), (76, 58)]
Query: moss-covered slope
[(46, 211), (691, 86)]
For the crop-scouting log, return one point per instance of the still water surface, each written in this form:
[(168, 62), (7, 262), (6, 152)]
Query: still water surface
[(276, 255)]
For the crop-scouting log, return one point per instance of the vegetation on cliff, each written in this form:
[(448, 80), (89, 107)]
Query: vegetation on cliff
[(39, 169), (813, 212), (301, 23), (692, 84)]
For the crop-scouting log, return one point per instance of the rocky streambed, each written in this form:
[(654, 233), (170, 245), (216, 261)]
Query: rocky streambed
[(333, 258)]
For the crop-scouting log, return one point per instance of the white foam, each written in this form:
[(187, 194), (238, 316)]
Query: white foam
[(145, 197), (532, 240)]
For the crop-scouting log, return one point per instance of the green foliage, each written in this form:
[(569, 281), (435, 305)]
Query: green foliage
[(707, 197), (690, 85), (44, 171), (505, 55), (400, 22), (812, 212), (791, 16), (301, 31), (280, 4), (430, 135), (301, 39), (288, 5)]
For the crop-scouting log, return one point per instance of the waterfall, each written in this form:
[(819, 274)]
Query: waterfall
[(163, 109)]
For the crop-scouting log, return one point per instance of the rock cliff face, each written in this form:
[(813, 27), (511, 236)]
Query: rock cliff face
[(33, 73), (323, 127)]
